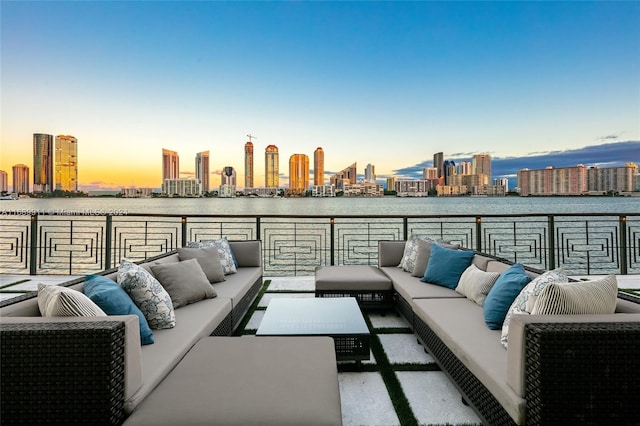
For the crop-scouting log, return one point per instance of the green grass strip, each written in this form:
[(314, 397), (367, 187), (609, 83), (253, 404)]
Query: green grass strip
[(243, 324), (398, 398), (16, 283), (393, 330)]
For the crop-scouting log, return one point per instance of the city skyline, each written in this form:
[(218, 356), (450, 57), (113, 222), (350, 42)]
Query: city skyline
[(383, 83)]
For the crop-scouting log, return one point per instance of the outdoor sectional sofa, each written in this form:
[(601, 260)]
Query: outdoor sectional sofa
[(94, 370), (557, 369)]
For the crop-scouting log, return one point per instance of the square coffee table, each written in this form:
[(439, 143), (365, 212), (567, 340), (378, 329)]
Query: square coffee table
[(337, 317)]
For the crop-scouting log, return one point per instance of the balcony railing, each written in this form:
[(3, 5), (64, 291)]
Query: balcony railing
[(294, 245)]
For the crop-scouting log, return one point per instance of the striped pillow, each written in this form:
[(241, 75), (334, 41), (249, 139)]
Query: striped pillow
[(585, 297), (56, 301), (475, 283)]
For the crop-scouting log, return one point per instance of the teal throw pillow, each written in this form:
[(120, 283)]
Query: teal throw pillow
[(446, 266), (502, 294), (113, 300)]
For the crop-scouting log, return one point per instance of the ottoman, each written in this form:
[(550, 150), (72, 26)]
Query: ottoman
[(248, 381), (370, 286)]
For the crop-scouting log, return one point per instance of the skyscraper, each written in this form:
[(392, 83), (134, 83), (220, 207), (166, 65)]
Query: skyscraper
[(248, 165), (66, 171), (4, 181), (227, 182), (481, 164), (170, 165), (370, 173), (42, 162), (438, 163), (20, 179), (202, 170), (299, 172), (271, 167), (318, 167), (449, 171), (345, 176)]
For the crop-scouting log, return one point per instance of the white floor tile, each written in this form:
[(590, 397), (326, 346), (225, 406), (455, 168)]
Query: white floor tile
[(292, 283), (404, 349), (266, 298), (389, 320), (365, 400)]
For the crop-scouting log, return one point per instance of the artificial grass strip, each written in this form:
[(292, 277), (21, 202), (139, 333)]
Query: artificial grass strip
[(15, 283), (247, 317), (393, 330)]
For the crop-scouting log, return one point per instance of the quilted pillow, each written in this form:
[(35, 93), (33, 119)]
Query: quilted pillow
[(524, 302), (583, 297), (184, 281), (56, 301), (227, 258), (148, 294), (475, 283), (113, 300)]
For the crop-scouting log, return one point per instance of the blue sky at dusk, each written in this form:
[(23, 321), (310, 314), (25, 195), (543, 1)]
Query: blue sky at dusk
[(386, 83)]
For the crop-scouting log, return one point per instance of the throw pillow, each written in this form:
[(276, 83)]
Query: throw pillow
[(502, 295), (57, 301), (524, 302), (209, 261), (423, 251), (475, 283), (446, 266), (583, 297), (184, 281), (407, 263), (113, 300), (148, 294), (227, 258)]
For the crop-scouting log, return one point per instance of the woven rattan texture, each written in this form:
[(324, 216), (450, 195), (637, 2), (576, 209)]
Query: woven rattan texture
[(225, 328), (405, 309), (583, 373), (64, 373), (244, 304), (474, 392), (366, 299)]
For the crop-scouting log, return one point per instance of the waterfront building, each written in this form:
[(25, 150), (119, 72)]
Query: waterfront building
[(464, 168), (66, 160), (20, 179), (271, 167), (170, 165), (202, 170), (135, 192), (364, 189), (345, 176), (299, 173), (370, 173), (502, 182), (4, 181), (553, 181), (451, 190), (323, 191), (449, 171), (414, 187), (42, 162), (481, 164), (430, 173), (391, 183), (227, 183), (248, 165), (318, 167), (184, 187), (636, 183), (612, 179), (438, 163)]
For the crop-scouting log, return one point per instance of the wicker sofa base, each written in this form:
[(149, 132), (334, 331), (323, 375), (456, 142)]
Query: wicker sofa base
[(240, 310), (366, 299)]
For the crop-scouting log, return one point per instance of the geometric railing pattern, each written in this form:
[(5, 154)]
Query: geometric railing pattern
[(295, 245)]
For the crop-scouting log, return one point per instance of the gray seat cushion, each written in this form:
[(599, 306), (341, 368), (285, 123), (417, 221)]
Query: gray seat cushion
[(351, 277), (248, 380)]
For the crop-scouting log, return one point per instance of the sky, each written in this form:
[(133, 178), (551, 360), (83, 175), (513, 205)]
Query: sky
[(382, 83)]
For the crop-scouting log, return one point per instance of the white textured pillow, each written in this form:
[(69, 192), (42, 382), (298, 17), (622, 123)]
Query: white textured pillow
[(56, 301), (475, 283), (524, 302), (148, 294), (227, 258), (582, 297), (409, 255)]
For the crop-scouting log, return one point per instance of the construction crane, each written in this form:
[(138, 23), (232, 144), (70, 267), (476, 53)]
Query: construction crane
[(251, 137)]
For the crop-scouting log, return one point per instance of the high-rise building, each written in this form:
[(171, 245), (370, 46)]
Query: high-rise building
[(202, 170), (20, 179), (430, 173), (481, 164), (552, 181), (612, 179), (227, 182), (42, 162), (66, 160), (464, 168), (345, 176), (271, 167), (449, 170), (318, 167), (248, 165), (438, 163), (170, 165), (184, 187), (299, 172), (370, 173), (4, 181), (391, 183), (502, 182)]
